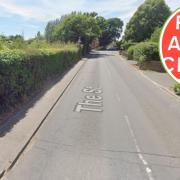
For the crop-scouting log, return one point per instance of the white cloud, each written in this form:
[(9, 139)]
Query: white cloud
[(50, 9), (26, 12), (45, 10), (55, 8)]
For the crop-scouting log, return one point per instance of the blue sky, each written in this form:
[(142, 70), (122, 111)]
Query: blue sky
[(30, 16)]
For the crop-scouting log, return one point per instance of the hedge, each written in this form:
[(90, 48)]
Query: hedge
[(125, 45), (156, 35), (130, 52), (146, 51), (22, 72)]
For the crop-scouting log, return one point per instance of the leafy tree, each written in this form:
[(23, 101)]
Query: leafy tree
[(50, 29), (38, 35), (84, 27), (16, 37), (114, 28), (111, 30), (74, 27), (149, 16)]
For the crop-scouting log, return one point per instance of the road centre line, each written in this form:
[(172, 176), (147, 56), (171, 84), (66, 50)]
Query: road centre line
[(140, 155)]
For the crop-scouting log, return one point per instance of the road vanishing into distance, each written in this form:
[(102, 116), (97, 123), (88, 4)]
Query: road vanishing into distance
[(110, 124)]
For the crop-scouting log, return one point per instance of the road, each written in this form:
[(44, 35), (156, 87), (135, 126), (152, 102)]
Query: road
[(111, 124)]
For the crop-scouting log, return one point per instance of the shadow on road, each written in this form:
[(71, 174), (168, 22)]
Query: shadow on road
[(99, 54)]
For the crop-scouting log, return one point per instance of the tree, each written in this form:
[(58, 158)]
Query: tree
[(50, 29), (38, 35), (111, 30), (16, 38), (150, 15), (74, 27), (85, 27)]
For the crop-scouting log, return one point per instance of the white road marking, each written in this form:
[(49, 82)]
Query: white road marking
[(80, 108), (93, 102), (140, 155)]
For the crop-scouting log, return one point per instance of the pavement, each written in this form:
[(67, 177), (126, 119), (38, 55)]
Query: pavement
[(110, 124), (15, 137), (162, 79)]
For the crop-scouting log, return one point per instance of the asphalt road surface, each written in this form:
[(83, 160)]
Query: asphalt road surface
[(111, 124)]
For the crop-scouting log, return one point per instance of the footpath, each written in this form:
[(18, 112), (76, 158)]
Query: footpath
[(14, 142), (163, 80)]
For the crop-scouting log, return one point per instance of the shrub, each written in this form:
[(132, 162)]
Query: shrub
[(12, 42), (125, 45), (130, 52), (22, 72), (156, 35), (177, 89), (146, 51)]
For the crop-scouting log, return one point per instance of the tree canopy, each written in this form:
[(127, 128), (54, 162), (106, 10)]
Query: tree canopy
[(150, 15), (84, 28), (111, 30)]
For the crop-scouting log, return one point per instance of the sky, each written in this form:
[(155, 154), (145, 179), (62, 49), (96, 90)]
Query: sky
[(30, 16)]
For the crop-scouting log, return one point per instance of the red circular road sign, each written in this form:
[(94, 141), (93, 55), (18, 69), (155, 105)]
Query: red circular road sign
[(170, 46)]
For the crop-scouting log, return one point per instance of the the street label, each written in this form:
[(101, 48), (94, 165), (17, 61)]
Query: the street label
[(93, 100), (170, 46)]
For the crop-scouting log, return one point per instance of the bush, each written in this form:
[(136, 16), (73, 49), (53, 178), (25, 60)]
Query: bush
[(130, 52), (12, 42), (125, 45), (177, 89), (156, 35), (146, 51), (22, 72)]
